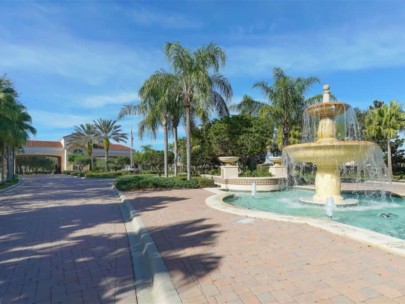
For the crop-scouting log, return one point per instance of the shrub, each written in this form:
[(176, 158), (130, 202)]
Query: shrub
[(141, 182), (70, 172), (103, 174), (255, 173), (9, 183), (205, 182)]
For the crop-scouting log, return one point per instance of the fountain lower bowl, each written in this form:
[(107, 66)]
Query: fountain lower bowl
[(330, 153)]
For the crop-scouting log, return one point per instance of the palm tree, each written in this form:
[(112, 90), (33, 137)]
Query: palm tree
[(107, 130), (15, 126), (202, 87), (85, 137), (248, 106), (386, 121), (159, 98), (287, 99)]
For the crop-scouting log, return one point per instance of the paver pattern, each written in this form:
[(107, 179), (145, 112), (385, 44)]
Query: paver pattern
[(216, 257), (62, 240)]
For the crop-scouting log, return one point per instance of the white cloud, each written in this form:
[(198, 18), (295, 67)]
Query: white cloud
[(168, 19), (57, 120), (102, 100), (92, 62), (331, 50)]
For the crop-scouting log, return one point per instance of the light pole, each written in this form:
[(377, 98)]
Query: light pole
[(132, 149)]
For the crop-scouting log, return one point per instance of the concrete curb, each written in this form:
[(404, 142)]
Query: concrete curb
[(382, 241), (152, 280), (8, 189)]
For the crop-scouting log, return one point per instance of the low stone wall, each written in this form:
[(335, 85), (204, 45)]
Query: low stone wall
[(245, 183)]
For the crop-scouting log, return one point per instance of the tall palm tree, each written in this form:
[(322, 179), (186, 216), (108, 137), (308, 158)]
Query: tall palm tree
[(386, 121), (202, 87), (248, 106), (159, 98), (287, 99), (107, 130), (15, 126), (85, 137)]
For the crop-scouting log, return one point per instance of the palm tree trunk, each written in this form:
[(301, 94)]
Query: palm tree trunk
[(106, 160), (389, 158), (188, 142), (3, 163), (176, 152), (10, 163), (166, 144)]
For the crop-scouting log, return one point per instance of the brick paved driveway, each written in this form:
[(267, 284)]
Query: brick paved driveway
[(62, 240), (216, 257)]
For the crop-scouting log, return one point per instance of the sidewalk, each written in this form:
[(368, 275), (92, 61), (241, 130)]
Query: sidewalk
[(216, 257), (62, 240)]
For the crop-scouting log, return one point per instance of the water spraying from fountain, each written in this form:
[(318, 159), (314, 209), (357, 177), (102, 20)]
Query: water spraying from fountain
[(330, 206), (332, 144), (253, 189)]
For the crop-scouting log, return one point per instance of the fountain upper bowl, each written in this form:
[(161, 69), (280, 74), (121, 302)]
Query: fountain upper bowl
[(327, 109), (333, 153)]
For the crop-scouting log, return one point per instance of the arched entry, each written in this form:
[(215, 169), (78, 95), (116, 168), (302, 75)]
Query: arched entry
[(38, 164)]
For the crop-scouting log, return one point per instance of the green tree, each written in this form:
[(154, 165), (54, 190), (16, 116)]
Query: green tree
[(15, 126), (202, 87), (248, 106), (107, 130), (287, 100), (80, 160), (159, 104), (241, 135), (386, 122), (85, 137)]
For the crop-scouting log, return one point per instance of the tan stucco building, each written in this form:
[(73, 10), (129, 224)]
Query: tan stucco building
[(61, 149)]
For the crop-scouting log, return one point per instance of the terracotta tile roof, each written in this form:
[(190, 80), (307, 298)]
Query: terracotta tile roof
[(113, 147), (119, 147), (43, 143)]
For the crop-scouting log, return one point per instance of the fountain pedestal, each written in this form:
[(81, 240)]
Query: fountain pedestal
[(277, 170), (229, 171)]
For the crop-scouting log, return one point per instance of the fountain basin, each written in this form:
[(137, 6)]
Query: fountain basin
[(332, 153), (328, 156)]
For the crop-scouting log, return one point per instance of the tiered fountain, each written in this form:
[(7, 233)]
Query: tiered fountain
[(328, 153)]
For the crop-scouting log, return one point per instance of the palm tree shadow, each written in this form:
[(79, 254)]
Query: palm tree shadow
[(185, 247)]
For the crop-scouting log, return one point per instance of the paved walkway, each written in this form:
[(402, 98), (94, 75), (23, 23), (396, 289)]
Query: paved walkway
[(62, 240), (216, 257)]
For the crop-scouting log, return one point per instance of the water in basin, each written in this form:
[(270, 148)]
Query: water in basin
[(383, 214)]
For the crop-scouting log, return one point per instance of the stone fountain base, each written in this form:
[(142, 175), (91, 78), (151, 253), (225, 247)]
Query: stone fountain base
[(338, 203)]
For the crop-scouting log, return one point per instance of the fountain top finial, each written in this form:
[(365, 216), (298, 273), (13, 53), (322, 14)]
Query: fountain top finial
[(326, 93)]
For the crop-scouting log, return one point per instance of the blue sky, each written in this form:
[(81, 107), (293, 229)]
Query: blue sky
[(76, 61)]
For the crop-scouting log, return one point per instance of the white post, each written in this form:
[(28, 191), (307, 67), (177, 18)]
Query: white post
[(132, 149)]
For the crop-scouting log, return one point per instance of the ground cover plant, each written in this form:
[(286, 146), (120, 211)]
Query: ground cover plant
[(142, 182), (9, 183)]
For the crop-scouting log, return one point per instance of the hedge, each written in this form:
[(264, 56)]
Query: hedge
[(141, 182)]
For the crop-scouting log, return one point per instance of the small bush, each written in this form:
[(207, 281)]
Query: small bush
[(141, 182), (103, 174), (215, 172), (205, 182), (255, 173), (70, 172), (9, 183)]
